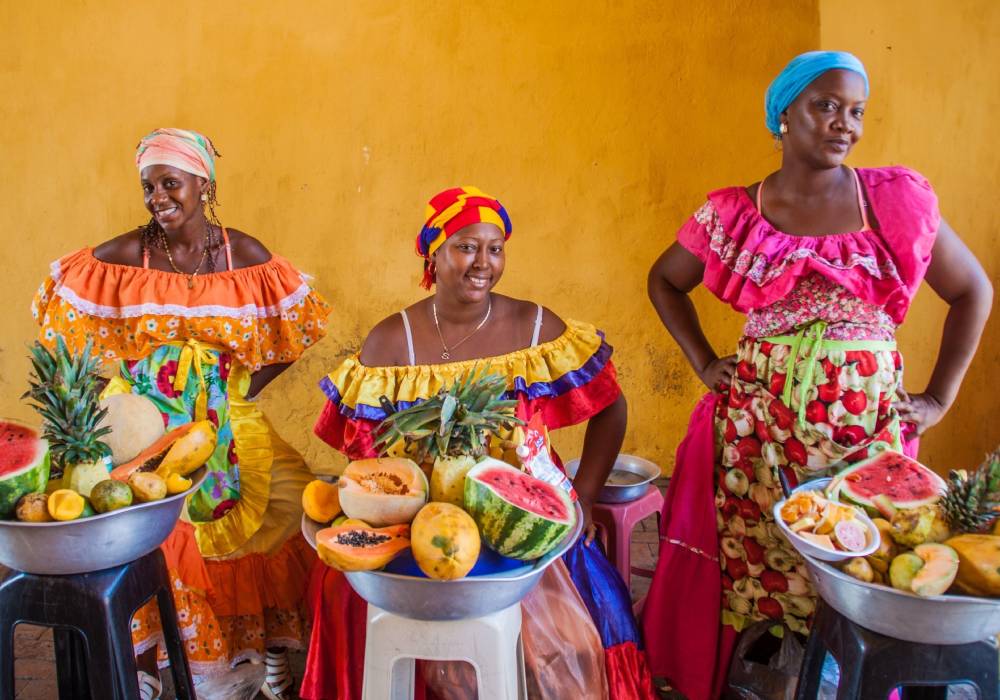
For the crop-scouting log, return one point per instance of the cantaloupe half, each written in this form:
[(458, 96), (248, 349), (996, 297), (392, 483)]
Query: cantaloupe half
[(386, 491), (180, 451), (939, 569)]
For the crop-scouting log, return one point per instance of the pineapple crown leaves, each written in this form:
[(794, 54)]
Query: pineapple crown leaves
[(970, 502), (64, 390), (458, 420)]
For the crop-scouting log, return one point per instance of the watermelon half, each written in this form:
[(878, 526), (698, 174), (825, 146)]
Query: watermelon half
[(906, 482), (24, 464), (518, 515)]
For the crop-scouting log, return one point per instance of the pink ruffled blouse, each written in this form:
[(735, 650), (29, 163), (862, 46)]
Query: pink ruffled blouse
[(860, 282)]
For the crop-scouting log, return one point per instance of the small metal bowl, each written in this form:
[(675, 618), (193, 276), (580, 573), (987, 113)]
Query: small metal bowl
[(637, 471), (428, 599), (94, 543)]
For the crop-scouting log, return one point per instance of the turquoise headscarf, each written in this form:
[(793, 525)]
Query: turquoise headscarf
[(802, 70)]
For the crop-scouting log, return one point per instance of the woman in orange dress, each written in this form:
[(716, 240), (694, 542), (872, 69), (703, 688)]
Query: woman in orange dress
[(200, 319)]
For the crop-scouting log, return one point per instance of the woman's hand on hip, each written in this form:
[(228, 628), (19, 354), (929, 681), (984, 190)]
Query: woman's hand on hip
[(718, 373), (923, 410)]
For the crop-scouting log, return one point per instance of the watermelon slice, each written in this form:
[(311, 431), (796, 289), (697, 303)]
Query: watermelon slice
[(24, 464), (904, 481), (518, 515)]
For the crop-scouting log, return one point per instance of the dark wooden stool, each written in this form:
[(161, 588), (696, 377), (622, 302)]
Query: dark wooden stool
[(872, 665), (92, 619)]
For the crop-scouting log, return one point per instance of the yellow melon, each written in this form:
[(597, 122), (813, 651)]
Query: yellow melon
[(135, 422)]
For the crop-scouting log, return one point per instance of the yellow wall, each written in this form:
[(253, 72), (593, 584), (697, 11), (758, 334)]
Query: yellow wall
[(934, 106), (599, 125)]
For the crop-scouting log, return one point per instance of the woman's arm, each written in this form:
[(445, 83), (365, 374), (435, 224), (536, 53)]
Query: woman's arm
[(673, 275), (957, 277), (601, 444), (264, 376)]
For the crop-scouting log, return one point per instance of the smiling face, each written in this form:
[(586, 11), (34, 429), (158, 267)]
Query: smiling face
[(172, 196), (825, 120), (470, 262)]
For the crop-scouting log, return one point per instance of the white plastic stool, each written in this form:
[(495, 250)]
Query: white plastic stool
[(492, 644)]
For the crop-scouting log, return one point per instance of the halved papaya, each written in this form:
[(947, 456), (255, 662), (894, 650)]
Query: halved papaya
[(358, 548), (181, 451)]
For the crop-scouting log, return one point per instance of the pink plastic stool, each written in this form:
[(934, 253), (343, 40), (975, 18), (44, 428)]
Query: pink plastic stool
[(615, 522)]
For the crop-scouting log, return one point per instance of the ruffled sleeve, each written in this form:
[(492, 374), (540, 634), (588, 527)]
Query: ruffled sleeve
[(749, 264), (569, 380), (263, 314)]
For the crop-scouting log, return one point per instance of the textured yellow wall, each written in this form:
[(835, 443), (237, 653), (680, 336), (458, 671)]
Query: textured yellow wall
[(934, 105), (600, 125)]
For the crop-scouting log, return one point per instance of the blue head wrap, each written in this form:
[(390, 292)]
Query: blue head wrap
[(802, 70)]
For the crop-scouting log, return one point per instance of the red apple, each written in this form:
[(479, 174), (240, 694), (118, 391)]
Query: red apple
[(755, 553), (748, 447), (782, 414), (865, 361), (736, 568), (746, 371), (777, 384), (769, 607)]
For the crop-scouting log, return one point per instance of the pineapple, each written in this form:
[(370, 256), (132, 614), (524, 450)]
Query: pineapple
[(971, 502), (65, 392), (452, 430)]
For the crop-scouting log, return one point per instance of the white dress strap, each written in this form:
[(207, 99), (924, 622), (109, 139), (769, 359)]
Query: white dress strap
[(538, 327), (409, 338)]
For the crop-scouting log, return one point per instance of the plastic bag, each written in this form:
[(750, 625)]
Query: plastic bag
[(765, 667), (563, 656)]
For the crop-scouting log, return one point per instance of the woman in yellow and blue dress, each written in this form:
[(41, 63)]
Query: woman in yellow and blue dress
[(560, 369)]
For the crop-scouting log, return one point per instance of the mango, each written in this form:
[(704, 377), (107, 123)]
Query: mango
[(902, 570), (321, 501), (147, 486), (109, 495), (939, 569), (177, 484), (65, 504), (978, 564), (859, 568), (33, 508)]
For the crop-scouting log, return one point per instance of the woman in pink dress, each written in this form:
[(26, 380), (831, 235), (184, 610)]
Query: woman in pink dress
[(824, 260)]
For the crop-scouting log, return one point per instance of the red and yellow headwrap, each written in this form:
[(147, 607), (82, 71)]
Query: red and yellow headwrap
[(452, 210), (186, 150)]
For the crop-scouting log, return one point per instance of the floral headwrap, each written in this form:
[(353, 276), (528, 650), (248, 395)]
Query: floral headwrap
[(187, 150)]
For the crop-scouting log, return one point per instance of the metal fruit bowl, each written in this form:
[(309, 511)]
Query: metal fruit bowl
[(637, 471), (938, 619), (94, 543), (428, 599)]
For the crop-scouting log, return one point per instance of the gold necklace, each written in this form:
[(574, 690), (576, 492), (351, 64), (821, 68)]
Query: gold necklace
[(446, 355), (190, 275)]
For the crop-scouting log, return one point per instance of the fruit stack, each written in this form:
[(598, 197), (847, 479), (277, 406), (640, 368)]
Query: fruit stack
[(935, 534), (382, 507), (92, 456)]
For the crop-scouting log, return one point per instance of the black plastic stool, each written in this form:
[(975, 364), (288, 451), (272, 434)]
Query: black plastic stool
[(92, 619), (872, 665)]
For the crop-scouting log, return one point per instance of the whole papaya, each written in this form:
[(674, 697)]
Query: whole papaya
[(978, 564)]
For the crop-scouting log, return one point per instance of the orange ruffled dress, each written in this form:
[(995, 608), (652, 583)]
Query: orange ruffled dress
[(237, 560)]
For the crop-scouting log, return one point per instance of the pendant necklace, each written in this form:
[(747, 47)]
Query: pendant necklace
[(170, 259), (446, 354)]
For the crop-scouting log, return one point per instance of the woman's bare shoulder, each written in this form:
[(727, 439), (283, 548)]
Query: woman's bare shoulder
[(385, 345), (247, 250), (125, 249)]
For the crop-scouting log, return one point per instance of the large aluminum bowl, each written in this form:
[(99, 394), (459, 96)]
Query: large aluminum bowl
[(643, 470), (938, 619), (94, 543), (428, 599)]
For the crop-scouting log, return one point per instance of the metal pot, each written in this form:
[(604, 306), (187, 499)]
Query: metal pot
[(643, 470), (939, 619), (94, 543), (428, 599)]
